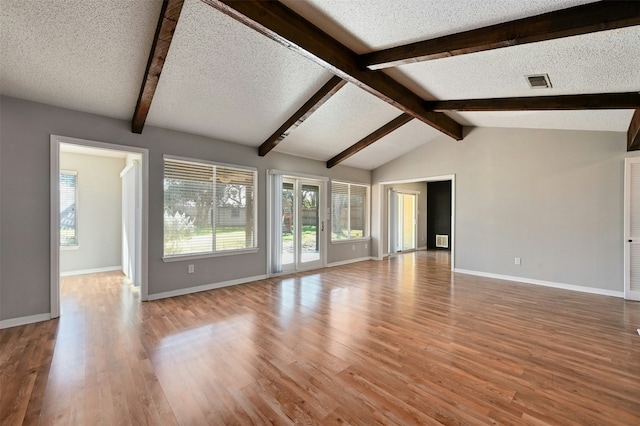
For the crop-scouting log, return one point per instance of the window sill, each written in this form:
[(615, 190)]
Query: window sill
[(353, 240), (182, 257), (65, 248)]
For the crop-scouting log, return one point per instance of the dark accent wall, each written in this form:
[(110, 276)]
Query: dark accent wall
[(438, 212)]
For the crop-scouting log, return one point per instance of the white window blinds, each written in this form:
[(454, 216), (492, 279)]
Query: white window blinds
[(208, 208), (349, 211), (68, 211)]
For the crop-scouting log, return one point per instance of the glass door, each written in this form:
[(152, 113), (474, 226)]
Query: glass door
[(302, 224), (289, 225)]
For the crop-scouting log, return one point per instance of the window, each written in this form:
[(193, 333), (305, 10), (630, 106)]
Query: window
[(68, 213), (208, 208), (349, 211)]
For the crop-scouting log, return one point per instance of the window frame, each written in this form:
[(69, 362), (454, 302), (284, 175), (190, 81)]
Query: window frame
[(367, 213), (217, 253), (75, 246)]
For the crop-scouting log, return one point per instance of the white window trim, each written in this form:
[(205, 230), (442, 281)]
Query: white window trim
[(367, 214), (220, 253)]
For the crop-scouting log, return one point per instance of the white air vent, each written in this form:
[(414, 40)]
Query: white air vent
[(442, 241), (540, 81)]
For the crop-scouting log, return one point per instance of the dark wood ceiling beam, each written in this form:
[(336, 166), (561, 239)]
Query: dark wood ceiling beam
[(629, 100), (169, 15), (278, 22), (588, 18), (320, 97), (633, 134), (368, 140)]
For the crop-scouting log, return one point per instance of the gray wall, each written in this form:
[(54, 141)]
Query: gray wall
[(553, 198), (98, 210), (25, 128)]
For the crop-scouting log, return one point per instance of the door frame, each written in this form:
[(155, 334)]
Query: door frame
[(322, 181), (378, 225), (54, 213), (415, 219)]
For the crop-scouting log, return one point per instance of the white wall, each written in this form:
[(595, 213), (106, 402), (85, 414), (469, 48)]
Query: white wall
[(98, 211), (553, 198)]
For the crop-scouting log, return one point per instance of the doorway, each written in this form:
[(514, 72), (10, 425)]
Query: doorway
[(297, 224), (77, 241), (382, 214), (403, 221)]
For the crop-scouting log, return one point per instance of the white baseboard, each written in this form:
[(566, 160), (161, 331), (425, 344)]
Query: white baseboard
[(572, 287), (15, 322), (205, 287), (91, 271), (346, 262)]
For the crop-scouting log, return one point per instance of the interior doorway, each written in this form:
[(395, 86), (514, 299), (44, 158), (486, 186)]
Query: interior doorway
[(297, 223), (386, 216), (403, 221), (99, 200)]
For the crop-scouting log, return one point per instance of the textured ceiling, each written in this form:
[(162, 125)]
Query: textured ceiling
[(365, 25), (405, 139), (579, 64), (226, 81), (348, 116), (84, 55), (607, 120)]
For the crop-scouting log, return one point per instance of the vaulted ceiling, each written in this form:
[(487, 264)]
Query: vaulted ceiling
[(300, 77)]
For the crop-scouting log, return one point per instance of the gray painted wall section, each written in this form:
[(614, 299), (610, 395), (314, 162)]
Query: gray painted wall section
[(25, 129), (99, 212), (553, 198)]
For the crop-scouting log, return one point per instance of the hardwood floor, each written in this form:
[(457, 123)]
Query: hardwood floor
[(401, 341)]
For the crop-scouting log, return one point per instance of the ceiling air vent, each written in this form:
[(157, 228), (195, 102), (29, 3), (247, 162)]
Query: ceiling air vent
[(540, 81)]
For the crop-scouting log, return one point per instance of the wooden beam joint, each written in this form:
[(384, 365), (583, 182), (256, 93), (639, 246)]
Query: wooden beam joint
[(283, 25)]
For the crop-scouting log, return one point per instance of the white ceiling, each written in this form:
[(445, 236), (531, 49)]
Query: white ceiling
[(348, 116), (226, 81), (83, 55), (366, 25), (97, 152)]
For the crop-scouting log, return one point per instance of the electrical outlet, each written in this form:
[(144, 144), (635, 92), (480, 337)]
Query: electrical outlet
[(366, 245), (353, 248), (517, 261), (190, 269)]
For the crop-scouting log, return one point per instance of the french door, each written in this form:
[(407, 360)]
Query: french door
[(298, 226)]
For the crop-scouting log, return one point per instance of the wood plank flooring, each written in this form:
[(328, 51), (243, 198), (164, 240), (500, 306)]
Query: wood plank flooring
[(400, 341)]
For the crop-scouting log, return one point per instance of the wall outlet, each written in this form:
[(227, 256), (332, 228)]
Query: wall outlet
[(353, 248), (190, 269), (517, 261), (366, 245)]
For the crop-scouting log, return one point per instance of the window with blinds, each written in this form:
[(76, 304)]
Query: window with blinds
[(349, 211), (68, 211), (208, 207)]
